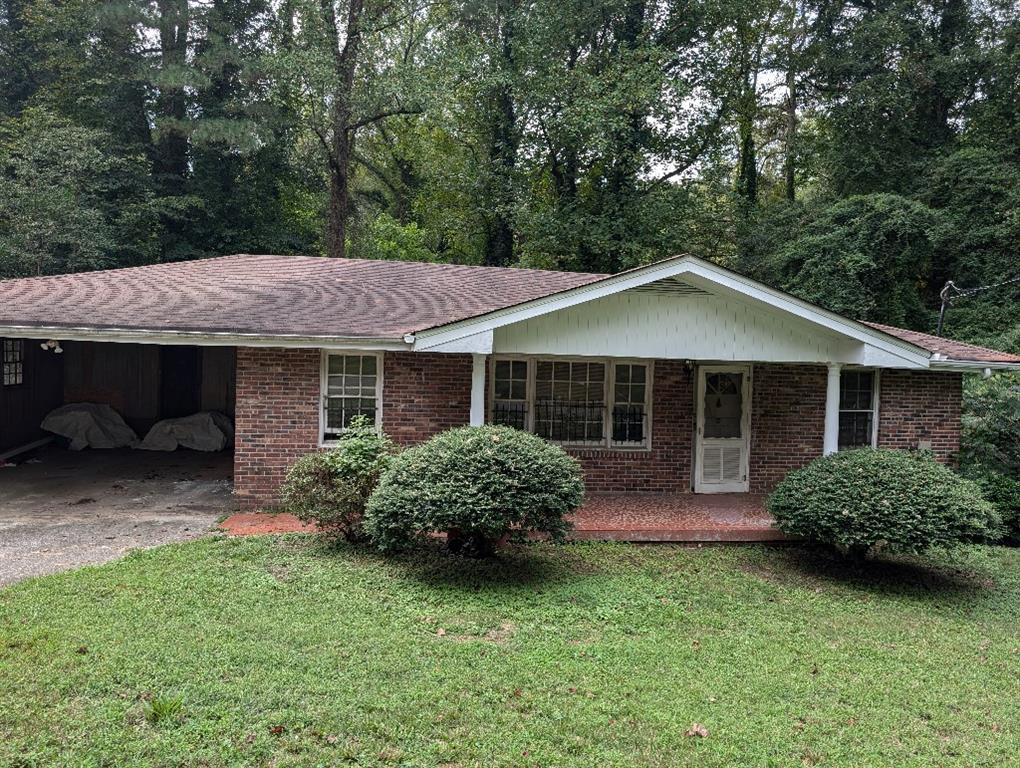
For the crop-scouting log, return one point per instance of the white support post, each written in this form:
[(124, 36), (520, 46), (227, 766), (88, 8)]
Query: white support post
[(830, 443), (477, 390)]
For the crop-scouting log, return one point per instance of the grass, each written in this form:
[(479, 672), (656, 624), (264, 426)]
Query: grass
[(283, 652)]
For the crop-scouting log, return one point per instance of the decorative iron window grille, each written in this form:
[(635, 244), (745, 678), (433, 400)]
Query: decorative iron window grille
[(13, 362)]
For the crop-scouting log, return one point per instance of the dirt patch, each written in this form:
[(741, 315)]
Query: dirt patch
[(264, 523)]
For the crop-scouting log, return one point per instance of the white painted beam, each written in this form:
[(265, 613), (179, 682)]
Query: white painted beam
[(477, 390), (830, 443)]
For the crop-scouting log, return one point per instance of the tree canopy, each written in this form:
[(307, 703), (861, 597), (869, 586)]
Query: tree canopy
[(859, 153)]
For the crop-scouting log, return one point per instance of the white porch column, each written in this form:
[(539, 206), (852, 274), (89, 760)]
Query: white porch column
[(830, 444), (477, 390)]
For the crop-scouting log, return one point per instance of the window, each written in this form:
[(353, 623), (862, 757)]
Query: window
[(629, 397), (578, 402), (350, 388), (570, 401), (724, 406), (510, 400), (857, 404), (13, 362)]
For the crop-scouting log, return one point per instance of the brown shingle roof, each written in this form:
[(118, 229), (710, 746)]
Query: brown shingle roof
[(276, 296), (307, 296), (947, 348)]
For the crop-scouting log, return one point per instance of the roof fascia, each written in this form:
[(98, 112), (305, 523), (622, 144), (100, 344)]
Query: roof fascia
[(200, 338)]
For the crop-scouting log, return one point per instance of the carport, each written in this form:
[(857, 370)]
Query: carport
[(60, 508), (143, 383)]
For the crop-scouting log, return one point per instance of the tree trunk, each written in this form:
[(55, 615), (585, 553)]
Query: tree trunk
[(341, 143), (789, 162), (747, 174), (499, 238), (171, 149)]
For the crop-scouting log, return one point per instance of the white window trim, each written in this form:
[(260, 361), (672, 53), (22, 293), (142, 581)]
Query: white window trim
[(323, 387), (609, 363), (876, 390)]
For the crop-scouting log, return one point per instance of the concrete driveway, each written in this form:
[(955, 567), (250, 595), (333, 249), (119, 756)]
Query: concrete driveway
[(67, 509)]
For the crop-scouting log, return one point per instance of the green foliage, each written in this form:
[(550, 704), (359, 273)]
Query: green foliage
[(476, 484), (387, 239), (70, 203), (990, 442), (882, 500), (330, 488), (864, 257), (160, 710)]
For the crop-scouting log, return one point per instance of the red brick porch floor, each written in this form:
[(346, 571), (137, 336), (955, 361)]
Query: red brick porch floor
[(613, 517)]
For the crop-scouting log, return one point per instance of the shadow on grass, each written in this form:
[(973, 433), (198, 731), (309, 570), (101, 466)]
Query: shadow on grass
[(516, 567), (940, 576)]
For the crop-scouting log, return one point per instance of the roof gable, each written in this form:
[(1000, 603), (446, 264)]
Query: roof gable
[(691, 273)]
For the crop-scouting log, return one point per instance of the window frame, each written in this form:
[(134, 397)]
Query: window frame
[(325, 442), (21, 362), (876, 390), (609, 390)]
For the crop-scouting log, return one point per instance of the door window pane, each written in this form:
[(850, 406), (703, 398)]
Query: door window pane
[(723, 406)]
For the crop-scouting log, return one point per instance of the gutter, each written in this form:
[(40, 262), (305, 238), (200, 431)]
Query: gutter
[(201, 338)]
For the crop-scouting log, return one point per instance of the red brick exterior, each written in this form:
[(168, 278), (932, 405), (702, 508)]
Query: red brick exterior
[(787, 420), (278, 402), (666, 468), (921, 407), (277, 418), (425, 393)]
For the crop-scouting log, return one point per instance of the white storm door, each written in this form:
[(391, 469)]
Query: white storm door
[(723, 429)]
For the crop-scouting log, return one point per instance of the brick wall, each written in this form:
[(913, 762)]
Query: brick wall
[(666, 468), (425, 393), (921, 406), (278, 402), (787, 421), (277, 418)]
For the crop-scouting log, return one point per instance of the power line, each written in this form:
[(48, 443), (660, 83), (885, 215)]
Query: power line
[(950, 291)]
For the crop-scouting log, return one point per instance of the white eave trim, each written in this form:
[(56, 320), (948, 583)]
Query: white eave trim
[(201, 338), (942, 364), (709, 276)]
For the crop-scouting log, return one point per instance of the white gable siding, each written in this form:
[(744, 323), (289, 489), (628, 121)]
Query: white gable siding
[(658, 325)]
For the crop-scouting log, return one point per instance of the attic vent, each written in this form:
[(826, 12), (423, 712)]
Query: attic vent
[(673, 285)]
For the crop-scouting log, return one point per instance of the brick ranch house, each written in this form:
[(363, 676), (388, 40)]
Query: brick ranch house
[(675, 378)]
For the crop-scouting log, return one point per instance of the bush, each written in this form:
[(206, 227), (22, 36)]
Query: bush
[(1003, 491), (330, 488), (476, 484), (871, 500)]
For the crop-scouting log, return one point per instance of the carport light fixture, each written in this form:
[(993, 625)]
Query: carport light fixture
[(54, 345)]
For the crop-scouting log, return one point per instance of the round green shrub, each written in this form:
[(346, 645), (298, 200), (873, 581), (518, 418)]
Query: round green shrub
[(330, 488), (476, 484), (881, 500)]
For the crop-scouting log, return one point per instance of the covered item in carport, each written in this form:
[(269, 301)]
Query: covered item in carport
[(90, 425), (205, 431)]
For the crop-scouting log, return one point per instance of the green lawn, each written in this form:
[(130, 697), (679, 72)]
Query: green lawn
[(284, 652)]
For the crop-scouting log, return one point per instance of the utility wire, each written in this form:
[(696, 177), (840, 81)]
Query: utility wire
[(950, 291)]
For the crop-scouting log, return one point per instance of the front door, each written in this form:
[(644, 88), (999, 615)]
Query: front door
[(723, 428)]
